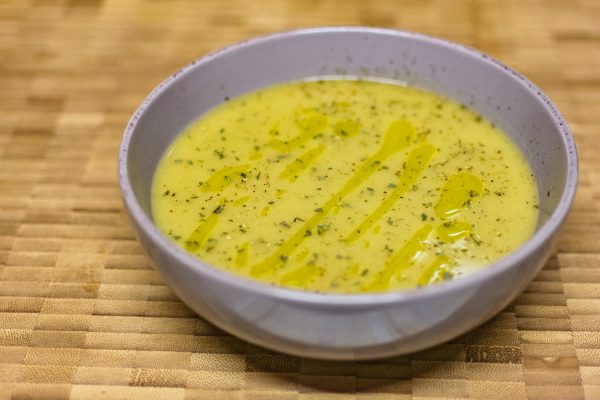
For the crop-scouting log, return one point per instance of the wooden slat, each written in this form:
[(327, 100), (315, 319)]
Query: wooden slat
[(82, 313)]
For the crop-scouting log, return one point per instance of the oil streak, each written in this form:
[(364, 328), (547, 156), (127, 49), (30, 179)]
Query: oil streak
[(303, 161), (199, 235), (299, 277), (241, 257), (224, 177), (456, 194), (433, 270), (401, 260)]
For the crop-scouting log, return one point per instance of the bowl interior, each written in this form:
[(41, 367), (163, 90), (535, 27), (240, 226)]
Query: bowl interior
[(483, 84)]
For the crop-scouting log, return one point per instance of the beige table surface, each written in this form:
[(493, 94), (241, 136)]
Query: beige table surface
[(84, 315)]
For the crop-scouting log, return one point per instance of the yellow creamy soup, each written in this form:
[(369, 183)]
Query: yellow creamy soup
[(345, 186)]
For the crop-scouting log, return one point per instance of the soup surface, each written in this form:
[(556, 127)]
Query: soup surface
[(345, 186)]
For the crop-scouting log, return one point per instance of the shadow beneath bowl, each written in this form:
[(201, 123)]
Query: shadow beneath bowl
[(478, 361), (268, 371), (444, 368)]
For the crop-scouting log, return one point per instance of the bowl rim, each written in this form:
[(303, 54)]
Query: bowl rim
[(197, 266)]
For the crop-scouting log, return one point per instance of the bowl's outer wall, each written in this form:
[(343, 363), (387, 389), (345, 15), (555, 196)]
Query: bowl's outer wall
[(357, 331)]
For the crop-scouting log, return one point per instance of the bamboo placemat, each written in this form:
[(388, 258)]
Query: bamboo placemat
[(83, 314)]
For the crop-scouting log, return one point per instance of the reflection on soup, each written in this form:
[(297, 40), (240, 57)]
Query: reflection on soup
[(345, 186)]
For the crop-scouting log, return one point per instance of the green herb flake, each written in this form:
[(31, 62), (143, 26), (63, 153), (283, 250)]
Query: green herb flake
[(447, 275), (475, 239), (219, 153)]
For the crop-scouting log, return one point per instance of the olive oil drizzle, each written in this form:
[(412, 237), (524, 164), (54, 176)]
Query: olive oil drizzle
[(415, 165), (401, 260), (399, 135), (456, 195), (310, 124), (224, 177), (338, 246)]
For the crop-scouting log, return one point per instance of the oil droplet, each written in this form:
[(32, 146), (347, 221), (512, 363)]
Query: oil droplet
[(265, 211), (241, 201), (457, 193)]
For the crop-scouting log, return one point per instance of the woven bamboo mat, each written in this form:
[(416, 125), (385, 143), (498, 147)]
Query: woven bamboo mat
[(83, 314)]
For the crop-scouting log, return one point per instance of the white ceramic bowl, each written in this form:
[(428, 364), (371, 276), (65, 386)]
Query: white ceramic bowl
[(350, 327)]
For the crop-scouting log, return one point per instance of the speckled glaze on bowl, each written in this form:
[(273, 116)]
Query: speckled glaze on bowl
[(350, 327)]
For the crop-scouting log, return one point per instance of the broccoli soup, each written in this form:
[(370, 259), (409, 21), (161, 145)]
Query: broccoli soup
[(345, 186)]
